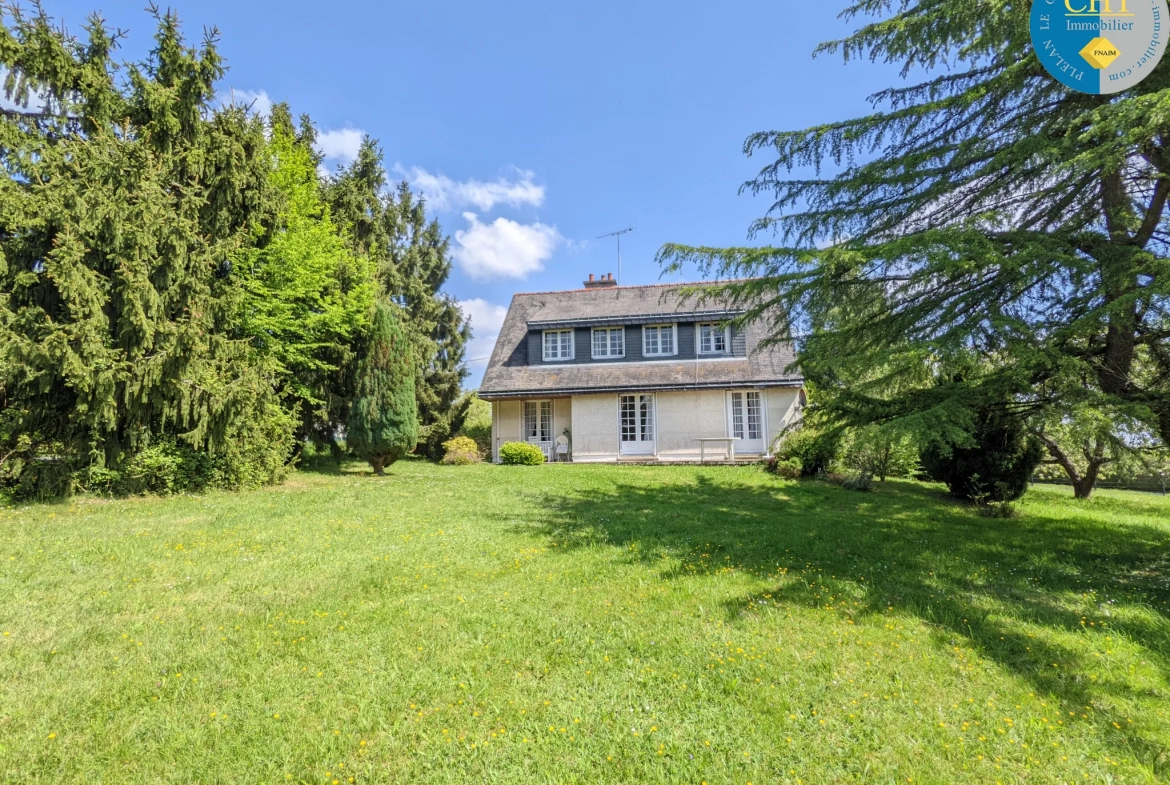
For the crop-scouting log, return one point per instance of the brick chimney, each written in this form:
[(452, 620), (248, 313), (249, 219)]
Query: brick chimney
[(605, 282)]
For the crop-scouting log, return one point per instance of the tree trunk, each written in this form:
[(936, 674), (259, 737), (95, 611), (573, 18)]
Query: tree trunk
[(1083, 488), (1082, 485), (379, 465)]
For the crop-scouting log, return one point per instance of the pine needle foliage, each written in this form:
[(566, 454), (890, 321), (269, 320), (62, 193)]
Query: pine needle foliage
[(985, 234), (383, 418)]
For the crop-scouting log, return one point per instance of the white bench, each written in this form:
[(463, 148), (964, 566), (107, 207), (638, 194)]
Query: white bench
[(728, 440)]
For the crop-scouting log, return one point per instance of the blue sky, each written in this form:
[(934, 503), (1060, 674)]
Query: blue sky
[(535, 127)]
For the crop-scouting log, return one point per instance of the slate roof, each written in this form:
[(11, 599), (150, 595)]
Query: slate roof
[(510, 376)]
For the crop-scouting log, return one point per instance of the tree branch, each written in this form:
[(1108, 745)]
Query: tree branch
[(1153, 212), (1058, 455)]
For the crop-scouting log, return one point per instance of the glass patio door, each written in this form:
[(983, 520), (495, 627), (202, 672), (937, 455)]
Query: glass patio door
[(637, 425), (747, 422), (538, 426)]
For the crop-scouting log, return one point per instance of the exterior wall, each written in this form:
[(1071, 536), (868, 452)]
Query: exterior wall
[(595, 428), (507, 426), (686, 416), (508, 422), (783, 408), (681, 417)]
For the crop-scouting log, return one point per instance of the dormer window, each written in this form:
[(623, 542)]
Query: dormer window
[(714, 338), (659, 341), (558, 346), (609, 343)]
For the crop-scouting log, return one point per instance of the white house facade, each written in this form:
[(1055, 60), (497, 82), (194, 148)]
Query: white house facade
[(640, 374)]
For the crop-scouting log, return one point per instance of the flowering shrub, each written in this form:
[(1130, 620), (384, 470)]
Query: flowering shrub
[(521, 454), (461, 451)]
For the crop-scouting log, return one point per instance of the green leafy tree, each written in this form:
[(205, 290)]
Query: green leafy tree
[(307, 296), (1086, 441), (987, 220), (881, 452), (383, 417), (477, 424), (123, 198), (412, 260)]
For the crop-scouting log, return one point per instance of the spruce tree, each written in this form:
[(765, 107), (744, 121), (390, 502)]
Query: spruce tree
[(124, 197), (383, 417), (987, 220), (412, 260)]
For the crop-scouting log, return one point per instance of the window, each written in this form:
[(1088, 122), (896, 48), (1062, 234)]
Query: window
[(609, 343), (658, 341), (747, 416), (558, 345), (713, 338)]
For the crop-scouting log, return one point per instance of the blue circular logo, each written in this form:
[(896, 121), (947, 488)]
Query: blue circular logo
[(1099, 46)]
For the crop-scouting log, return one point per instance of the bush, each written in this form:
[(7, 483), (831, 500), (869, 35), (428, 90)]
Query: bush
[(432, 438), (789, 470), (863, 482), (521, 454), (461, 451), (995, 468), (816, 451)]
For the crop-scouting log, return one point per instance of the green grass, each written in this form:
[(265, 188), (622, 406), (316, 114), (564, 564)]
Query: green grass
[(584, 624)]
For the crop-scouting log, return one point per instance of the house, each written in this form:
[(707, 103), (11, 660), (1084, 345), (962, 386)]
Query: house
[(637, 373)]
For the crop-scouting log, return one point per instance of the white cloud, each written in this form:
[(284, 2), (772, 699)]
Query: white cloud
[(503, 248), (341, 146), (257, 100), (486, 321), (442, 193)]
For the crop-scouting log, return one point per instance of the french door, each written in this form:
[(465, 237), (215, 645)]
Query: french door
[(638, 432), (538, 426), (746, 415)]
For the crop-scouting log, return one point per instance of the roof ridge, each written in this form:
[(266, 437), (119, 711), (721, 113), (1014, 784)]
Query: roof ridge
[(640, 286)]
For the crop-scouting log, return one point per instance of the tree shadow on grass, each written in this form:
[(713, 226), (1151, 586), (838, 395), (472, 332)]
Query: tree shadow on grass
[(983, 581)]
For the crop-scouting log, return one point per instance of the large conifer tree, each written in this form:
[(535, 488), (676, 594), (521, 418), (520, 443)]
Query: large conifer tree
[(984, 235), (412, 260), (120, 210)]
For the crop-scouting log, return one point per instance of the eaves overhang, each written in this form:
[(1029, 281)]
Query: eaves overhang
[(545, 392)]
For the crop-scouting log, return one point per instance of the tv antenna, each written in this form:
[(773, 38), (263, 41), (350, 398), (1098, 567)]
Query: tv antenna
[(618, 235)]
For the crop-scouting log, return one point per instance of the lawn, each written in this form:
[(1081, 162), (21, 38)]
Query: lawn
[(584, 624)]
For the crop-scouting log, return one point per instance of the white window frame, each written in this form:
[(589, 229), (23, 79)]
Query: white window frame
[(659, 327), (608, 331), (716, 328), (557, 357)]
